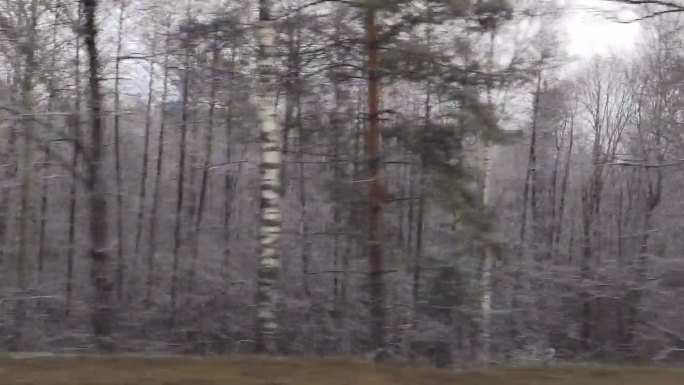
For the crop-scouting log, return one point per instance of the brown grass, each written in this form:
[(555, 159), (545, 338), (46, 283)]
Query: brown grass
[(260, 371)]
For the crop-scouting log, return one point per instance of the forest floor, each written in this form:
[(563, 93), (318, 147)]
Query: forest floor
[(258, 371)]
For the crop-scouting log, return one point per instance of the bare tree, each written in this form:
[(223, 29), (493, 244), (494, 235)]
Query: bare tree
[(609, 108)]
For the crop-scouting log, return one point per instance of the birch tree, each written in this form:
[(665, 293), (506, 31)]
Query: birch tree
[(270, 187)]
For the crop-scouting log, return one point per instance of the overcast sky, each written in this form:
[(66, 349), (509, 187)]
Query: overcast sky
[(590, 32)]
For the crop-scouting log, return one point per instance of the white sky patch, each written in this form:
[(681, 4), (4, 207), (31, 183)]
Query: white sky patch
[(590, 31)]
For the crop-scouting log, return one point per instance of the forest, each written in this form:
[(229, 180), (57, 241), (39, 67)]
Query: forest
[(431, 182)]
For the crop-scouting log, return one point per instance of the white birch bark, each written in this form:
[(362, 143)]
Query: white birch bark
[(270, 170), (490, 152)]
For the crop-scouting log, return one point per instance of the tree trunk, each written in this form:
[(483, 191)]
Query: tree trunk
[(305, 243), (142, 195), (102, 313), (529, 194), (76, 133), (26, 168), (120, 267), (208, 138), (229, 181), (43, 212), (9, 174), (418, 253), (304, 220), (271, 188), (411, 206), (337, 125), (182, 149), (551, 228), (418, 256), (564, 185), (654, 195), (529, 199), (486, 283), (156, 189), (52, 94), (375, 191), (590, 209)]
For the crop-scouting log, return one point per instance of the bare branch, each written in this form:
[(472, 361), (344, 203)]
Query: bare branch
[(672, 7), (670, 4), (643, 165)]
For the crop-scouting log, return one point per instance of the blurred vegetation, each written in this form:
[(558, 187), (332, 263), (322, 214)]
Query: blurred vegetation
[(259, 371)]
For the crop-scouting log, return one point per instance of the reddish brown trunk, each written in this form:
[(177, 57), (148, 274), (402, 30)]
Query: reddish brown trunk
[(375, 193)]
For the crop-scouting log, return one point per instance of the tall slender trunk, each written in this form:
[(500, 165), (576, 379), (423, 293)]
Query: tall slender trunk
[(290, 82), (564, 185), (336, 217), (551, 228), (8, 174), (353, 235), (182, 148), (229, 181), (304, 221), (353, 238), (486, 281), (120, 263), (14, 80), (635, 294), (156, 189), (486, 284), (208, 138), (375, 190), (26, 168), (529, 193), (52, 94), (418, 256), (190, 236), (619, 227), (142, 195), (529, 199), (590, 208), (102, 313), (337, 125), (270, 174), (76, 133), (296, 100), (293, 120), (43, 211), (401, 190), (418, 253), (654, 193), (411, 206)]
